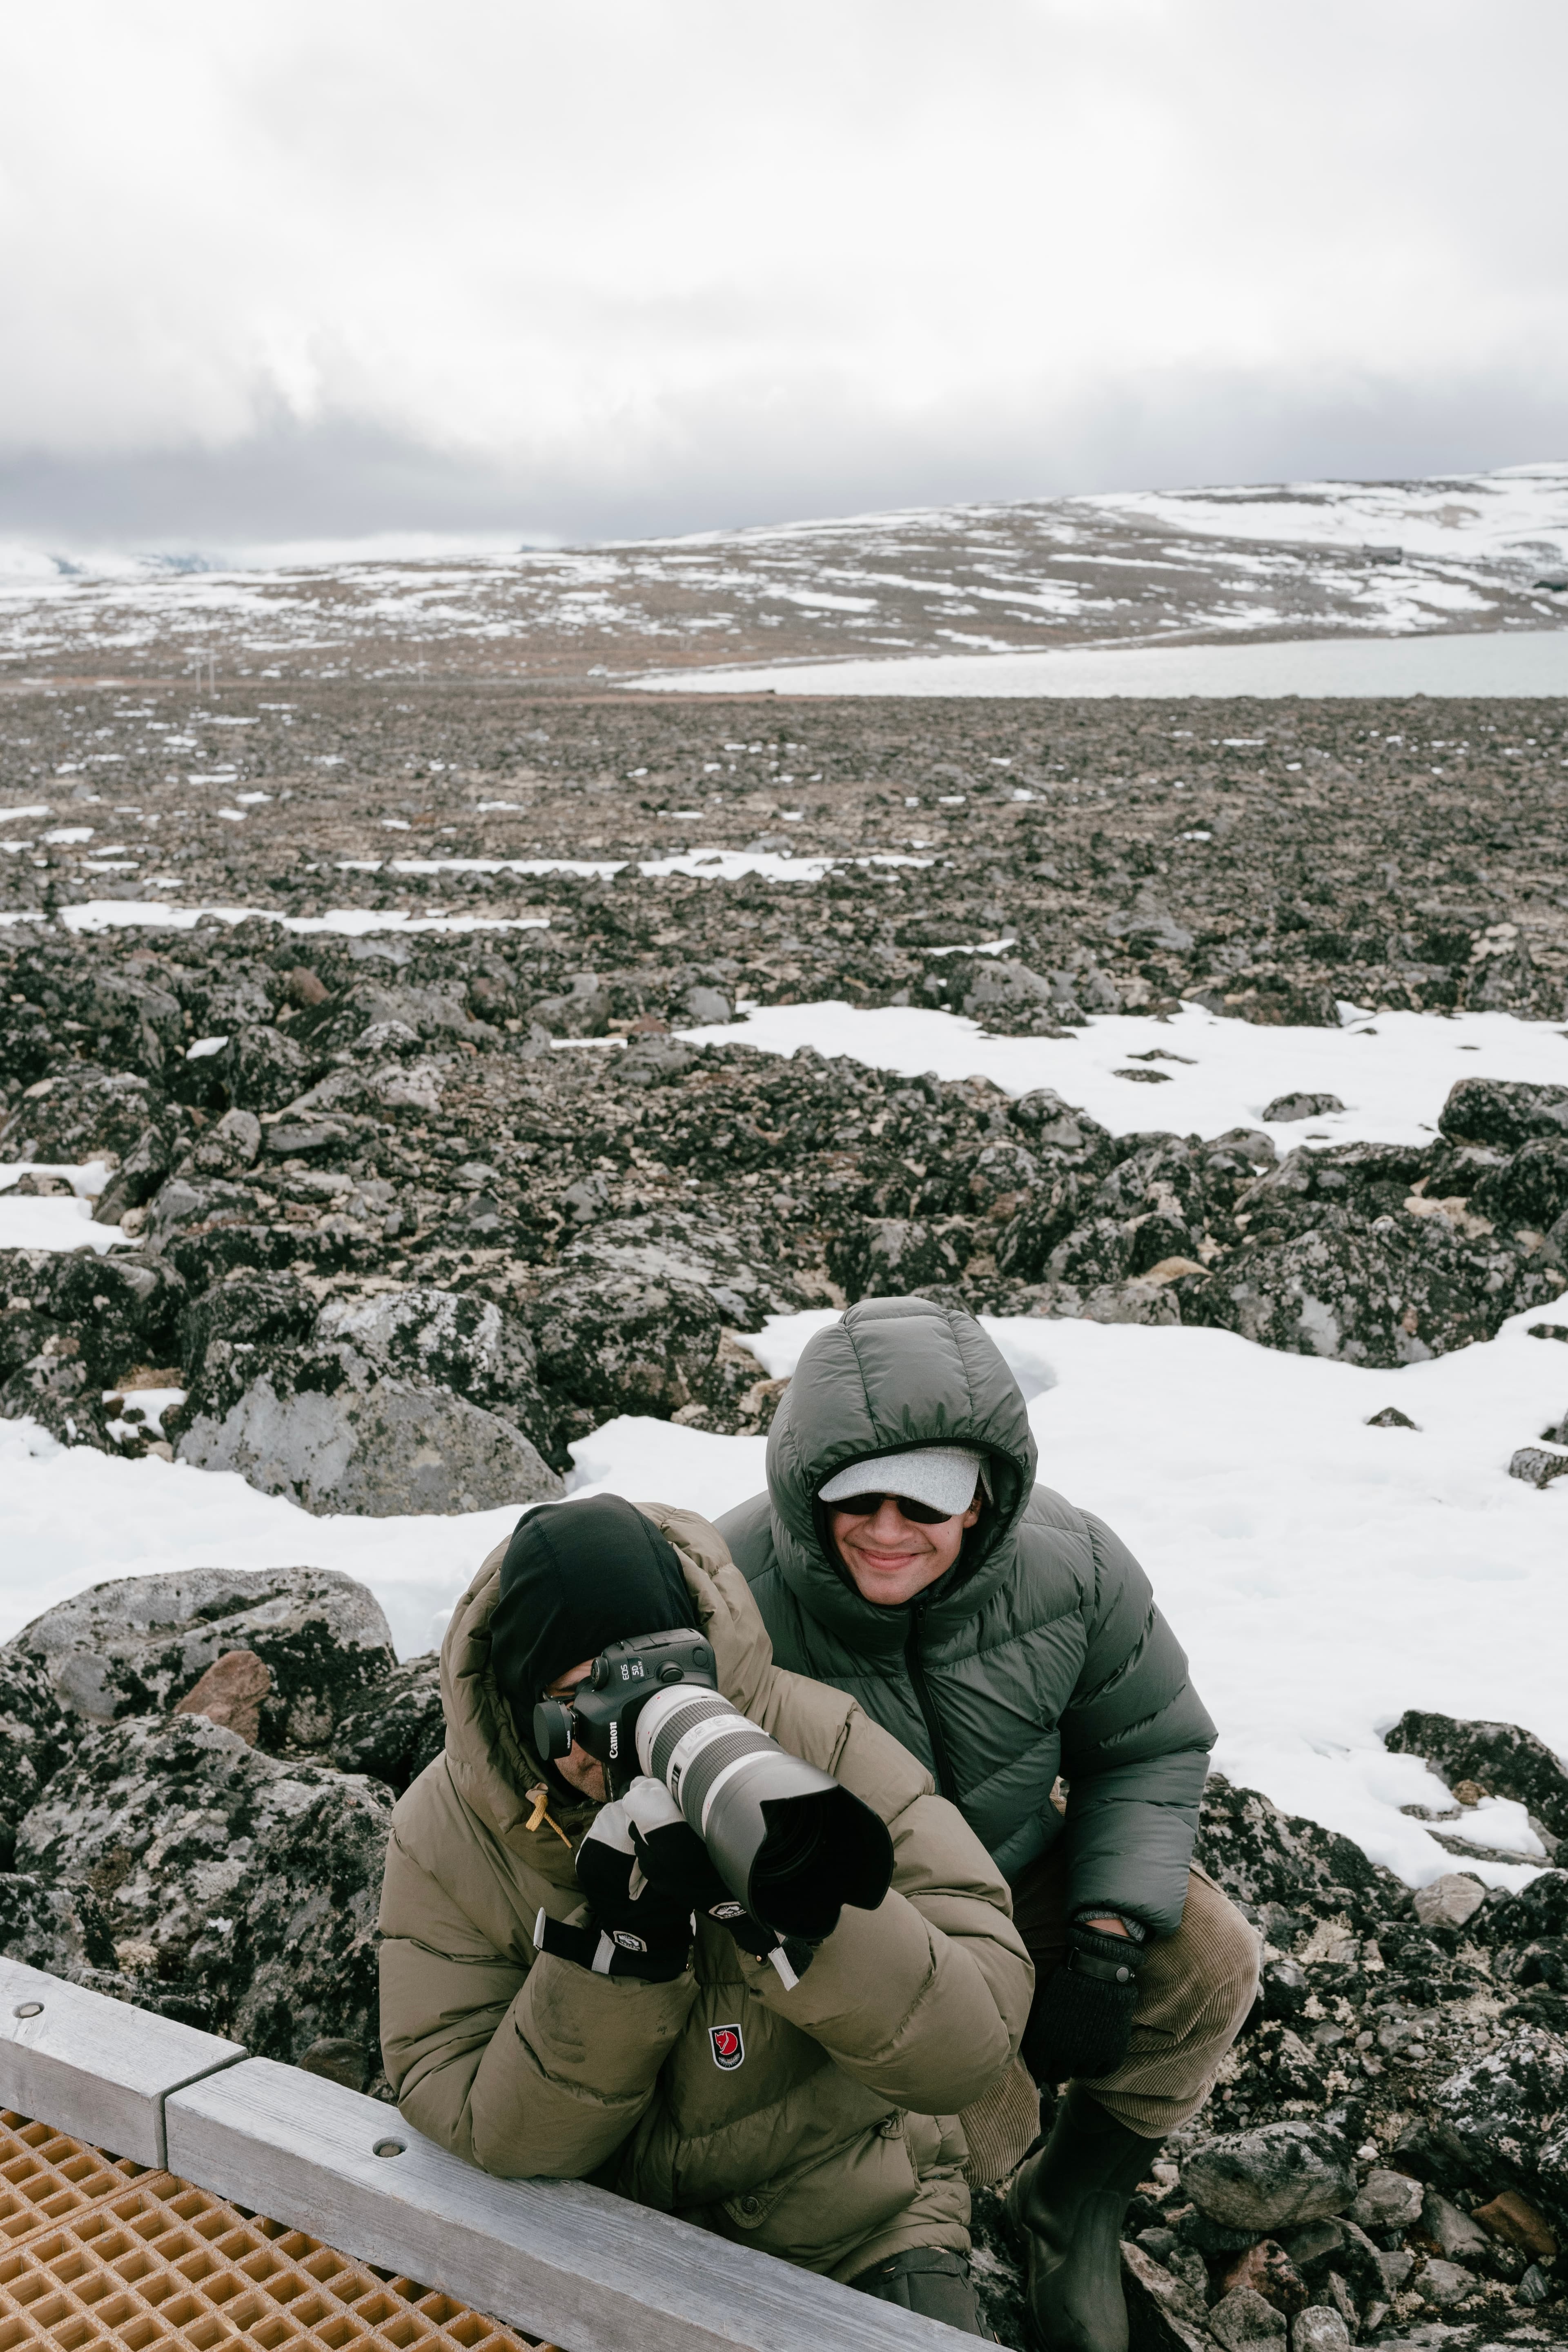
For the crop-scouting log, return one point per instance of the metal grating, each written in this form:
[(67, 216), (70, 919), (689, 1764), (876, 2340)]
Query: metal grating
[(98, 2253)]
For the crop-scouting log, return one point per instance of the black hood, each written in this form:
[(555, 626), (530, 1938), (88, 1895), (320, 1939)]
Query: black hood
[(576, 1577)]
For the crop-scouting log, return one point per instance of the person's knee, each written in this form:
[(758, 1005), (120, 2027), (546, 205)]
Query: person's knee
[(1232, 1957)]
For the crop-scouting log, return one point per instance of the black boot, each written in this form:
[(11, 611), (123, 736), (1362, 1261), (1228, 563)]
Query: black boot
[(1070, 2200), (928, 2280)]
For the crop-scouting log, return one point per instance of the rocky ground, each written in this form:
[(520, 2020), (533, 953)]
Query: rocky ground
[(201, 1771), (369, 1185), (466, 1187)]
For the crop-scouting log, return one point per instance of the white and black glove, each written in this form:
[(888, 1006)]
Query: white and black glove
[(652, 1867), (636, 1929)]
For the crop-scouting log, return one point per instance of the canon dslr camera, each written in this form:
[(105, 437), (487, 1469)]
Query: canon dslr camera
[(789, 1842)]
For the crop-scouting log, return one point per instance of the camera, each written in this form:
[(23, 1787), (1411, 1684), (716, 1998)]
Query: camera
[(788, 1841)]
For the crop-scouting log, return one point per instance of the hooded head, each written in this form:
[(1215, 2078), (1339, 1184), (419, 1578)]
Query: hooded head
[(894, 1375), (576, 1577)]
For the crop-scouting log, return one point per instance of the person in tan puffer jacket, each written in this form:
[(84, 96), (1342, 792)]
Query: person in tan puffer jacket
[(833, 2139)]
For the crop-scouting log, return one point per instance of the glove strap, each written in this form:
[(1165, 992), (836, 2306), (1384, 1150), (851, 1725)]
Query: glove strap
[(591, 1947), (1109, 1960)]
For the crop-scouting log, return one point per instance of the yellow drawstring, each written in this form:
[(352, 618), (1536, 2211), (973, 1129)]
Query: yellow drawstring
[(539, 1797)]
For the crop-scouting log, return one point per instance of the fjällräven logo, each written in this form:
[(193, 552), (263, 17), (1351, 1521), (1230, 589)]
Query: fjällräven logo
[(728, 2047)]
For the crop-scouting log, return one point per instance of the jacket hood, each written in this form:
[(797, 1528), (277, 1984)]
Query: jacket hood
[(492, 1765), (896, 1372)]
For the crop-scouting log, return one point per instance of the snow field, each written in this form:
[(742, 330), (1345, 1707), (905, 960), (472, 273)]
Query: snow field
[(1513, 661), (1391, 1071)]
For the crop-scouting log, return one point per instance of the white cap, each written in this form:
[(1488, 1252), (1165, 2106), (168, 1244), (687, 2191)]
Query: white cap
[(944, 1476)]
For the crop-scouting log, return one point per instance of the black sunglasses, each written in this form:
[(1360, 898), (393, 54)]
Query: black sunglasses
[(866, 1507)]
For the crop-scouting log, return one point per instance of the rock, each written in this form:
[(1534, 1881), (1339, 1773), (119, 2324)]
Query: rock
[(337, 2060), (1388, 2200), (1514, 2219), (898, 1257), (1268, 2269), (1287, 1107), (1397, 1295), (255, 1882), (705, 1006), (1503, 2108), (1259, 1855), (135, 1646), (1242, 2320), (36, 1736), (1506, 1113), (1536, 1466), (62, 1928), (116, 1311), (1396, 2267), (1391, 1418), (1448, 1901), (1504, 1757), (329, 1434), (1319, 2328), (401, 1728), (228, 1147), (1283, 1987), (138, 1026), (231, 1692), (261, 1068), (1442, 2283), (1002, 993), (654, 1061), (82, 1112), (1281, 2174), (451, 1339), (1529, 1189), (1455, 2233), (1341, 2300), (1534, 2287), (619, 1343), (233, 1329), (1163, 2315)]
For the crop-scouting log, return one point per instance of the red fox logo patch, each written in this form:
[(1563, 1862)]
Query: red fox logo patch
[(729, 2048)]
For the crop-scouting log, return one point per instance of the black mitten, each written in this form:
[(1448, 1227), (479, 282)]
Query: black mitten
[(1081, 2022)]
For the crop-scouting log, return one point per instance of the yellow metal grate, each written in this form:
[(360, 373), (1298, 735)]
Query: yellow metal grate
[(97, 2253)]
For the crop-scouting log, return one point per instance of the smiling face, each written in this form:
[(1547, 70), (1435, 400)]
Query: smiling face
[(891, 1559), (577, 1768)]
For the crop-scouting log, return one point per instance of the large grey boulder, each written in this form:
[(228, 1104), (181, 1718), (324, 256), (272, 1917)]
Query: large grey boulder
[(375, 1447), (244, 1886), (451, 1339), (138, 1644)]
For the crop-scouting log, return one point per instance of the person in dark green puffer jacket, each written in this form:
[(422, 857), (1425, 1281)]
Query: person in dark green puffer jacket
[(1012, 1643)]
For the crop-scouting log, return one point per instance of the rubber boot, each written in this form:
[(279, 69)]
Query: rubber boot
[(929, 2280), (1070, 2201)]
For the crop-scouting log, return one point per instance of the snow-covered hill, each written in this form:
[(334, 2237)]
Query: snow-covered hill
[(1139, 568)]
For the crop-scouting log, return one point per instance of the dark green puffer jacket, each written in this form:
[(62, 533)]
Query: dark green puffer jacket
[(1042, 1651)]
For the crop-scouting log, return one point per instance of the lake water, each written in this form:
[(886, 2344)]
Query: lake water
[(1519, 661)]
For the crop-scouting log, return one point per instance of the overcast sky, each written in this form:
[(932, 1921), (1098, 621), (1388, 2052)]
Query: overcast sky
[(282, 270)]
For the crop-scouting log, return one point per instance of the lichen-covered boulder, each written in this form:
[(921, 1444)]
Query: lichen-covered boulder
[(139, 1644), (623, 1343), (324, 1429), (247, 1884), (400, 1730), (1266, 2179), (1503, 1112), (36, 1736)]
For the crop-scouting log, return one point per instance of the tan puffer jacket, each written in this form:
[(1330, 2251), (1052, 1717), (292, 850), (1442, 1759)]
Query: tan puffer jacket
[(835, 2142)]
